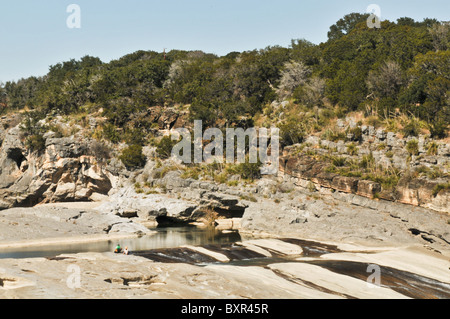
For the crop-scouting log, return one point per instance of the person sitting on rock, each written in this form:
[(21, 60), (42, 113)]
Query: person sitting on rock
[(118, 249), (125, 251)]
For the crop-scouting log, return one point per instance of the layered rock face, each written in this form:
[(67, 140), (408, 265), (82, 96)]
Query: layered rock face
[(62, 172), (309, 167)]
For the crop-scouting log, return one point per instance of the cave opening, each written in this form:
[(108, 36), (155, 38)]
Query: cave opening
[(16, 155)]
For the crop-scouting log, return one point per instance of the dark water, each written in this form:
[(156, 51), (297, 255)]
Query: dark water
[(165, 238)]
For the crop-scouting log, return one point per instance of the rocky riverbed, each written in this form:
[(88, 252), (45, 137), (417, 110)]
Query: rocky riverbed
[(266, 263), (279, 269)]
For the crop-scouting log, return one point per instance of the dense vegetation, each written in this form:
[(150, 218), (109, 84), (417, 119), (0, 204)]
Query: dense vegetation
[(401, 68)]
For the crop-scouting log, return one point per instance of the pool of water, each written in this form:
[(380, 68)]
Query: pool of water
[(167, 237)]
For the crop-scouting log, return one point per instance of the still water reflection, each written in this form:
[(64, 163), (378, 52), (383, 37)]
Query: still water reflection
[(168, 237)]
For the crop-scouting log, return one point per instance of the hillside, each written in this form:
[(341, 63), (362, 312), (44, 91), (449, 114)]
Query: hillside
[(374, 103)]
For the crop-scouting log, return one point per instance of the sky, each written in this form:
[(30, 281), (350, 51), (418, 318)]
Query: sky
[(35, 34)]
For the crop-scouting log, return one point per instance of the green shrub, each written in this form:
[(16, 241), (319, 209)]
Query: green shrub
[(367, 161), (412, 147), (132, 157), (110, 132), (352, 149), (412, 128), (432, 148), (249, 170), (35, 143), (291, 132), (338, 161), (134, 136), (356, 133), (439, 129), (374, 121), (165, 146), (333, 136), (191, 172), (233, 183), (440, 187)]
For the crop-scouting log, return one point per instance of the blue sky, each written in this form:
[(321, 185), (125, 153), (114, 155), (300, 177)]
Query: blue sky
[(34, 34)]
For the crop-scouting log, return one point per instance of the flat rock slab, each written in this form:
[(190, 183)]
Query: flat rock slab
[(218, 256), (332, 282), (276, 246), (47, 222)]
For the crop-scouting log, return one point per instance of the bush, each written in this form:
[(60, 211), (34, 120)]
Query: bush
[(249, 171), (165, 146), (99, 150), (432, 148), (333, 135), (367, 161), (439, 129), (440, 187), (338, 161), (356, 133), (412, 128), (35, 143), (412, 147), (110, 132), (291, 132), (132, 157)]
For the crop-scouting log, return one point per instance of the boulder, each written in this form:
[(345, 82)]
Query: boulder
[(65, 147), (228, 223), (443, 150), (62, 173), (345, 184), (368, 188), (381, 135), (221, 200), (129, 228), (149, 207), (420, 192), (440, 202), (324, 179)]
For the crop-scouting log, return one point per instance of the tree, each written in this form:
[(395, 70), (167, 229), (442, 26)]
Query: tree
[(386, 81), (305, 51), (312, 93), (294, 74), (346, 25), (440, 32), (292, 131), (132, 157), (17, 95), (429, 87), (165, 146), (3, 99), (348, 88)]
